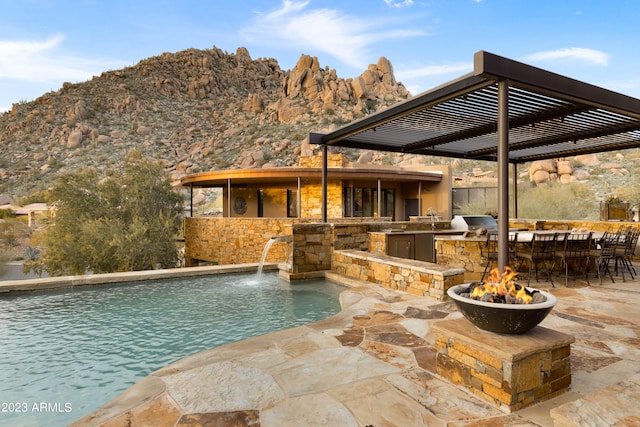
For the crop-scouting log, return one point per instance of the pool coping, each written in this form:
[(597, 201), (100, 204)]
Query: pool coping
[(66, 282)]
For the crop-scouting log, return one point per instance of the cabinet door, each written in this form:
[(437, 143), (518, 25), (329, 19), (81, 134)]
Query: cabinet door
[(425, 249), (401, 246)]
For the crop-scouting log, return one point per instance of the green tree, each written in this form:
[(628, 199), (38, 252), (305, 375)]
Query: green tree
[(125, 221)]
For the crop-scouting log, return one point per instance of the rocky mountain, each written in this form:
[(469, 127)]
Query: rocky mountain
[(200, 110), (196, 110)]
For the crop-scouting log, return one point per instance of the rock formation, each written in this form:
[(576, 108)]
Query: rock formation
[(196, 110), (542, 172)]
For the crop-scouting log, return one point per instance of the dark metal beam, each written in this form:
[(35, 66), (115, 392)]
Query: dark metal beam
[(579, 150), (496, 67), (191, 200), (325, 169), (503, 174)]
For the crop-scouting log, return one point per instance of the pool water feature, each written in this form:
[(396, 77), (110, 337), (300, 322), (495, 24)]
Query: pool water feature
[(66, 353)]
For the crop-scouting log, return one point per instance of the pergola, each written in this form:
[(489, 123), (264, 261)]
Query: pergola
[(504, 111)]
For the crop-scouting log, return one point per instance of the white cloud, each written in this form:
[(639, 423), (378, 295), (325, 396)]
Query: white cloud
[(590, 56), (346, 38), (42, 61), (396, 3)]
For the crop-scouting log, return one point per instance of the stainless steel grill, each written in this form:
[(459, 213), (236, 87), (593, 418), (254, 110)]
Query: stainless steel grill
[(474, 222)]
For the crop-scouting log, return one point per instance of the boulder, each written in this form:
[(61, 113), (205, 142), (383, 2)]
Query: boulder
[(588, 159), (254, 103), (5, 199), (564, 167), (385, 71), (365, 157), (548, 165), (581, 174), (75, 138), (540, 177), (359, 88), (610, 165), (257, 156), (78, 112), (566, 179)]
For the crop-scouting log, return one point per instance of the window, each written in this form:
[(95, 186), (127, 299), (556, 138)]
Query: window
[(260, 203), (363, 202), (389, 203)]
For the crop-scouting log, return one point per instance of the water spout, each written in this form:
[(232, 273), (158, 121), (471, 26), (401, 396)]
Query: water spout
[(434, 217), (265, 251)]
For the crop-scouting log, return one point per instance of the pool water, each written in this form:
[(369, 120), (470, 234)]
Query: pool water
[(66, 353)]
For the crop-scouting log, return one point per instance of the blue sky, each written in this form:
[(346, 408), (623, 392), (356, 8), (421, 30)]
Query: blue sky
[(44, 43)]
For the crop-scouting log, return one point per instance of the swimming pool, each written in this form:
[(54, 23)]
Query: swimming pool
[(66, 353)]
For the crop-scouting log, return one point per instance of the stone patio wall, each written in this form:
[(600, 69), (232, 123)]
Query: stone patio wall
[(415, 277), (234, 240), (465, 254)]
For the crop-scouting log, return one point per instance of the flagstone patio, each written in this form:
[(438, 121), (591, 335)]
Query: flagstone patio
[(374, 364)]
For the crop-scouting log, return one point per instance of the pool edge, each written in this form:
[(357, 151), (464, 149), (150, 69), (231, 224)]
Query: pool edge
[(65, 282)]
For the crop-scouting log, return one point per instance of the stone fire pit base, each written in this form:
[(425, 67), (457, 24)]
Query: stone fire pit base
[(509, 371)]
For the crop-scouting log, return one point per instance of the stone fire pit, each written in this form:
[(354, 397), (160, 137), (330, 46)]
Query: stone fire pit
[(503, 318)]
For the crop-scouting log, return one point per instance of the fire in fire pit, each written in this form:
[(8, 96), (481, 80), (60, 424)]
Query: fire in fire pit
[(504, 289), (501, 305)]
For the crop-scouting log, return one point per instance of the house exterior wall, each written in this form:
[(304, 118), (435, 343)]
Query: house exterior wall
[(311, 194), (241, 234), (439, 195)]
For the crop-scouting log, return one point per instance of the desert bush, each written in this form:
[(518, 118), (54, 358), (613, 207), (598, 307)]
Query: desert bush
[(561, 201), (7, 213), (123, 222)]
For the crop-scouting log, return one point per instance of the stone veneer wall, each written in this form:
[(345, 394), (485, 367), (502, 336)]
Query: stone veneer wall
[(314, 243), (235, 240), (465, 254), (415, 277), (509, 371), (311, 250), (311, 194), (311, 190), (242, 240), (333, 161)]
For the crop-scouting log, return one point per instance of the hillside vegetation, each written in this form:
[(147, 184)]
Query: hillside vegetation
[(199, 110)]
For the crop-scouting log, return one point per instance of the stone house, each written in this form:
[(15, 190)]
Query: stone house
[(262, 203)]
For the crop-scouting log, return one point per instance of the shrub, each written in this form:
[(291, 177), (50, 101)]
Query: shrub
[(562, 201), (126, 221)]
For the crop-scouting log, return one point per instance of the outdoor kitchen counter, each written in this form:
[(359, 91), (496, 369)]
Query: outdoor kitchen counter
[(456, 250), (411, 244), (467, 252)]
